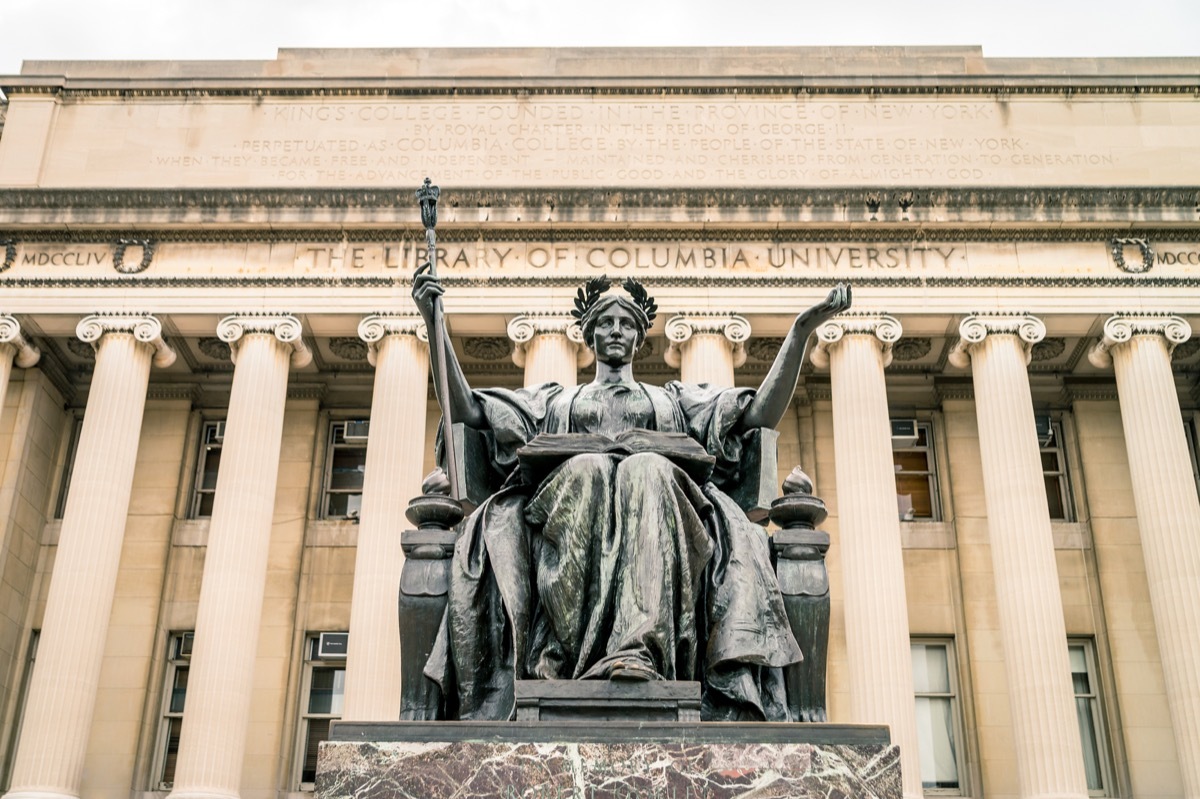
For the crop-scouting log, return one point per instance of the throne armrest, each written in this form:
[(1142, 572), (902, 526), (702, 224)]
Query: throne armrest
[(759, 473)]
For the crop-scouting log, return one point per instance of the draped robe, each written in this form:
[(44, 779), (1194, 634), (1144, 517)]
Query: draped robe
[(613, 560)]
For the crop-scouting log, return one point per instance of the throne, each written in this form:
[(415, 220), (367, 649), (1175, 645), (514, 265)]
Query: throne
[(797, 550)]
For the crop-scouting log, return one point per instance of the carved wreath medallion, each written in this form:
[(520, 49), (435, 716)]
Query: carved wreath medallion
[(10, 254), (119, 255), (1118, 246)]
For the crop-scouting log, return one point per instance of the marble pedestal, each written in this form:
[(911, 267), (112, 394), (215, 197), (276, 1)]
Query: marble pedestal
[(608, 760)]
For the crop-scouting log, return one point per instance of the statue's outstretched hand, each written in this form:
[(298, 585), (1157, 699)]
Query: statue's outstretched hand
[(838, 300), (425, 291)]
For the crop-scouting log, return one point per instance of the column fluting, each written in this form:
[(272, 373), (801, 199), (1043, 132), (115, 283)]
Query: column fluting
[(395, 452), (221, 678), (1028, 598), (62, 693), (878, 644), (1168, 510)]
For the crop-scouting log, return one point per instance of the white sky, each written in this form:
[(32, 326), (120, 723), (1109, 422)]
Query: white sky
[(254, 29)]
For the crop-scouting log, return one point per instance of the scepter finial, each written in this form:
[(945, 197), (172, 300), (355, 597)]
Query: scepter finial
[(427, 196)]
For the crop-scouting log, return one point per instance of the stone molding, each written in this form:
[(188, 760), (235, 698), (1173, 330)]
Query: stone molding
[(975, 328), (284, 327), (681, 327), (523, 328), (1066, 200), (1121, 328), (25, 354), (145, 328), (884, 327), (373, 328)]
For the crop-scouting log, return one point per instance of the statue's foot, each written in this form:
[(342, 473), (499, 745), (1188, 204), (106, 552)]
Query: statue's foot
[(632, 671)]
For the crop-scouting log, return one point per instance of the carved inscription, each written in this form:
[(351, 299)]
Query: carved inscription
[(786, 140)]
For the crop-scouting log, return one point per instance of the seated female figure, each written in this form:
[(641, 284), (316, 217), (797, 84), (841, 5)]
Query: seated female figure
[(627, 563)]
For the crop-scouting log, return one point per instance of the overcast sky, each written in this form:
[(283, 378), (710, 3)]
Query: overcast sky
[(254, 29)]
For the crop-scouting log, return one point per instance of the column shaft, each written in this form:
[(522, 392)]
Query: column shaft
[(7, 351), (707, 358), (62, 694), (220, 685), (1168, 513), (395, 452), (877, 635), (551, 358), (13, 346), (1029, 601)]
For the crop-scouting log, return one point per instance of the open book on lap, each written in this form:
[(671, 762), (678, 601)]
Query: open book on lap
[(547, 450)]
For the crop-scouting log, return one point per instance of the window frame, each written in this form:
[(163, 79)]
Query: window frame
[(67, 471), (179, 656), (932, 477), (1192, 433), (331, 449), (1058, 447), (303, 716), (203, 448), (958, 725), (1095, 698)]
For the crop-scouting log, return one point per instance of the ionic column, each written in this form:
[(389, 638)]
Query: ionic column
[(395, 451), (220, 685), (1028, 599), (550, 348), (878, 646), (706, 348), (1168, 511), (13, 346), (62, 695)]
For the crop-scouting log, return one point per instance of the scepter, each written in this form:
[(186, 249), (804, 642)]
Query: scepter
[(427, 196)]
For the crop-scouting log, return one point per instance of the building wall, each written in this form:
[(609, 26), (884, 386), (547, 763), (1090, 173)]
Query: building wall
[(1034, 233)]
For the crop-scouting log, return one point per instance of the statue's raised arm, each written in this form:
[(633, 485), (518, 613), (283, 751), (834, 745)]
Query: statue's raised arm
[(462, 404), (771, 401)]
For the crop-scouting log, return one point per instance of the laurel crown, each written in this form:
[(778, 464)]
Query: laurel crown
[(589, 294)]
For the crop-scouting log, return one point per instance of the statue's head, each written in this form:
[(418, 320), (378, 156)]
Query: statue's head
[(609, 313)]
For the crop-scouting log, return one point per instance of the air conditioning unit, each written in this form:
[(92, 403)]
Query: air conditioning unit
[(332, 646), (218, 435), (356, 432), (185, 644), (904, 433), (1045, 429)]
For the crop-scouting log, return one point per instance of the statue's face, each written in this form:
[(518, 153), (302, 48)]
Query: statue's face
[(615, 337)]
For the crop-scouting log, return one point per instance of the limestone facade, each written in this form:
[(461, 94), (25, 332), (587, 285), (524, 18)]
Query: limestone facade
[(204, 305)]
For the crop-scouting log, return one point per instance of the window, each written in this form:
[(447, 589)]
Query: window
[(1091, 716), (916, 474), (179, 658), (212, 436), (320, 704), (1054, 470), (938, 726), (23, 696), (64, 485), (1189, 427), (344, 467)]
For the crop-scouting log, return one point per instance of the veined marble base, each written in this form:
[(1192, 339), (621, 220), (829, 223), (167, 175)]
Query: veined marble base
[(610, 761)]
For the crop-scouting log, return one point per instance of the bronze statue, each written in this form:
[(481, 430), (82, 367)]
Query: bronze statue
[(612, 548)]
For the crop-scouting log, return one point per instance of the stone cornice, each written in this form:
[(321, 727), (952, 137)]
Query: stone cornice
[(591, 86), (890, 204)]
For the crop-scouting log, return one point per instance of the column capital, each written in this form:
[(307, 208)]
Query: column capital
[(523, 328), (976, 327), (284, 327), (1121, 328), (144, 327), (10, 333), (882, 326), (373, 328), (682, 326)]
